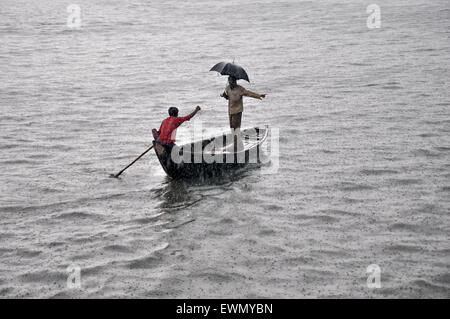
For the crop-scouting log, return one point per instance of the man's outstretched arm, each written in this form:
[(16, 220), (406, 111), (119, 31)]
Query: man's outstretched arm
[(188, 117), (253, 94), (197, 108)]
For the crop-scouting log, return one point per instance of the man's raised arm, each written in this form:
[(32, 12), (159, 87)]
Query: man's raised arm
[(182, 119), (197, 108)]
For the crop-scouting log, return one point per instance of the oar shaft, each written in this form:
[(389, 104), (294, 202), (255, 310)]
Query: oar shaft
[(117, 175)]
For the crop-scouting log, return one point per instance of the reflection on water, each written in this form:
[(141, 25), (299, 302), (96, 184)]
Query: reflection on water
[(176, 194)]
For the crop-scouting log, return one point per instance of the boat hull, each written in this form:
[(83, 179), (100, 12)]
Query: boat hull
[(207, 158)]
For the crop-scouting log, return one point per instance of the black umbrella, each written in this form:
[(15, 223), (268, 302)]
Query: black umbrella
[(231, 69)]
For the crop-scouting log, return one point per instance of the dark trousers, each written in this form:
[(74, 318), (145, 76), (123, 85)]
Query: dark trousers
[(235, 125)]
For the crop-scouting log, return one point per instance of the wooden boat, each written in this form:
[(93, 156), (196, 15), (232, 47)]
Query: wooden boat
[(211, 157)]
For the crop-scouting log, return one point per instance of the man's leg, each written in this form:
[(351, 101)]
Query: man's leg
[(235, 124)]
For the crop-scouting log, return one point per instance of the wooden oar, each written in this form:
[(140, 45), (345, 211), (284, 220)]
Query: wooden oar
[(117, 175)]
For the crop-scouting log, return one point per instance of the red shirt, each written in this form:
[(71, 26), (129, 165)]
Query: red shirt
[(168, 129)]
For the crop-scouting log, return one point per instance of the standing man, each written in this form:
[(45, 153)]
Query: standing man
[(234, 93)]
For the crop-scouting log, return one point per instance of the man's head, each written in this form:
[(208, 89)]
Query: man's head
[(173, 111), (231, 80)]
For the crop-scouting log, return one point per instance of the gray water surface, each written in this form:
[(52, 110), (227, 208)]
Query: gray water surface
[(364, 176)]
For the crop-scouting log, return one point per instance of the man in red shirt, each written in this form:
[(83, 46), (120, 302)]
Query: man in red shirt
[(168, 129)]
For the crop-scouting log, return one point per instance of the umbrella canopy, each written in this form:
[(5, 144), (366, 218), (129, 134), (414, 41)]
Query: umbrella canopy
[(231, 69)]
